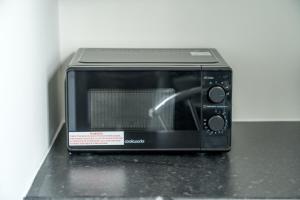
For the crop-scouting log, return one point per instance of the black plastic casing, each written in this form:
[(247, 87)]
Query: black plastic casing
[(83, 76)]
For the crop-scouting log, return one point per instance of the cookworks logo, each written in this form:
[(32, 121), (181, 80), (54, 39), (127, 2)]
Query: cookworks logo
[(141, 141)]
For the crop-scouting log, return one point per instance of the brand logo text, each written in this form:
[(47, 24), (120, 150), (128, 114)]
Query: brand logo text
[(141, 141)]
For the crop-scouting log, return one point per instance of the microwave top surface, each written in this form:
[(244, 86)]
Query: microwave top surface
[(95, 57)]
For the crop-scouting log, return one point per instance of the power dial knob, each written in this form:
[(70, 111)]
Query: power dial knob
[(216, 123), (216, 94)]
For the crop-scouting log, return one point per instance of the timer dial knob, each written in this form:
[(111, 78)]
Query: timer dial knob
[(216, 123), (216, 94)]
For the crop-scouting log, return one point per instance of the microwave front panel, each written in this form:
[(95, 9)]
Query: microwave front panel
[(135, 101), (149, 109)]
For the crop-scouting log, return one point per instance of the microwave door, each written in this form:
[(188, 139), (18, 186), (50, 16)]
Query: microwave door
[(184, 95)]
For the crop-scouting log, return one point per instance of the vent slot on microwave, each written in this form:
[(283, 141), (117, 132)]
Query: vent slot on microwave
[(121, 109)]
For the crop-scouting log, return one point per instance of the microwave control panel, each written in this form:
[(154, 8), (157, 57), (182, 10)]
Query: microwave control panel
[(216, 107)]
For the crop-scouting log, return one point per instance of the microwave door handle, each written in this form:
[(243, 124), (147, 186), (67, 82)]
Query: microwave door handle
[(179, 96)]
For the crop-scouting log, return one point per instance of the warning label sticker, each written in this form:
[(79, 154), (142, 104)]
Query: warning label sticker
[(96, 138)]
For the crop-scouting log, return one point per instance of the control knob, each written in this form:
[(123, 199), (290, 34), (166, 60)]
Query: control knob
[(216, 123), (216, 94)]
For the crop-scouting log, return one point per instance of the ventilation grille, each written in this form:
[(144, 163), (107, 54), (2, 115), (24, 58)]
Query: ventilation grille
[(129, 109)]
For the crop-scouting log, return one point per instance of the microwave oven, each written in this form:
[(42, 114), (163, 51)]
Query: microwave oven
[(148, 100)]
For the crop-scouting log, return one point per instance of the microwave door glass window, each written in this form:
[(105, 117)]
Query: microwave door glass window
[(159, 101)]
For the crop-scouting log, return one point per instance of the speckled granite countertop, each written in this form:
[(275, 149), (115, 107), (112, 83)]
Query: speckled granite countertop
[(264, 163)]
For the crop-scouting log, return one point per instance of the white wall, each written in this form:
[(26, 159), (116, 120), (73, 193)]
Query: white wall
[(260, 39), (29, 81)]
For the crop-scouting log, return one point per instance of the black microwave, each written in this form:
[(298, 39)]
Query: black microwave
[(148, 100)]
